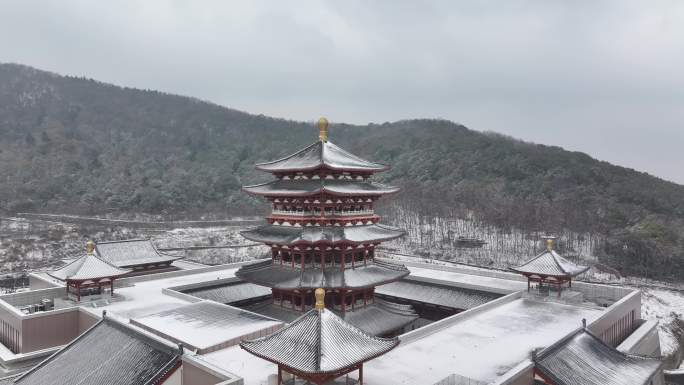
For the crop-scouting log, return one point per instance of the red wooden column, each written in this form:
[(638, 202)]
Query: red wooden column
[(361, 374), (280, 375), (78, 293)]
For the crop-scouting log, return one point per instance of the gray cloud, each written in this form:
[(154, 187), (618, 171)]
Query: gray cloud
[(600, 77)]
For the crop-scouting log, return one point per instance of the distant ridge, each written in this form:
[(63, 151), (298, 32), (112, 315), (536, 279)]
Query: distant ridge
[(75, 145)]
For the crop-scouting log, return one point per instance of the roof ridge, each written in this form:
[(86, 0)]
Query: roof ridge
[(554, 256), (288, 156), (356, 157), (123, 241)]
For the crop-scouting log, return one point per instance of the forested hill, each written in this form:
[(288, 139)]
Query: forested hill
[(77, 145)]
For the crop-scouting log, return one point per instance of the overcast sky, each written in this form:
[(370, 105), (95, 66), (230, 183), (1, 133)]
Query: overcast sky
[(602, 77)]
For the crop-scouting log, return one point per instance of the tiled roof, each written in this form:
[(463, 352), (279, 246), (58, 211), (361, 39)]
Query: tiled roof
[(583, 359), (374, 273), (319, 342), (378, 318), (454, 297), (550, 263), (107, 354), (132, 252), (87, 267), (306, 187), (287, 235), (230, 292), (319, 155)]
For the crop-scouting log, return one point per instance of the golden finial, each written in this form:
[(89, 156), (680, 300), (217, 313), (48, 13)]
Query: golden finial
[(323, 129), (549, 244), (320, 299), (90, 247)]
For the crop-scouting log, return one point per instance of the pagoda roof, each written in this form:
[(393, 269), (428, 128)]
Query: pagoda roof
[(288, 235), (306, 187), (319, 342), (109, 353), (585, 359), (87, 267), (374, 273), (132, 252), (549, 263), (321, 154)]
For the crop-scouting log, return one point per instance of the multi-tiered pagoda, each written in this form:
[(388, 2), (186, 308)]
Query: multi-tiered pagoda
[(323, 232)]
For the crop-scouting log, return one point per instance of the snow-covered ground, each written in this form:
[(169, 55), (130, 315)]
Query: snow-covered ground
[(664, 306)]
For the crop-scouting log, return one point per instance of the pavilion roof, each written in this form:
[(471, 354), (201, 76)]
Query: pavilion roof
[(287, 235), (109, 353), (132, 252), (87, 267), (319, 342), (306, 187), (583, 358), (549, 263), (266, 273), (321, 154)]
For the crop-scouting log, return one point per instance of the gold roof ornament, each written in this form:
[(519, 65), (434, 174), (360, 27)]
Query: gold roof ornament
[(549, 244), (320, 299), (323, 129), (90, 247)]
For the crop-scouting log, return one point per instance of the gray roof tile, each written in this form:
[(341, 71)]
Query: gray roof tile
[(318, 155), (306, 187), (287, 235), (132, 252), (583, 359), (107, 354), (87, 267), (550, 263), (376, 272), (319, 342)]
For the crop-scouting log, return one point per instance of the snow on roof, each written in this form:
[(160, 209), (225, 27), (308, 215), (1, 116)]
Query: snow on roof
[(206, 325), (306, 187), (550, 263), (109, 354), (481, 347), (376, 319), (374, 273), (584, 359), (454, 297), (147, 297), (132, 252), (87, 267), (230, 292), (318, 155), (287, 235), (319, 342)]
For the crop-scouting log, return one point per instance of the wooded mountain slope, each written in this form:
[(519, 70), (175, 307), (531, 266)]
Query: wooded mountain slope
[(77, 145)]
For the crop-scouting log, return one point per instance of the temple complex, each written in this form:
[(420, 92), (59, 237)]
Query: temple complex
[(550, 269), (323, 232)]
